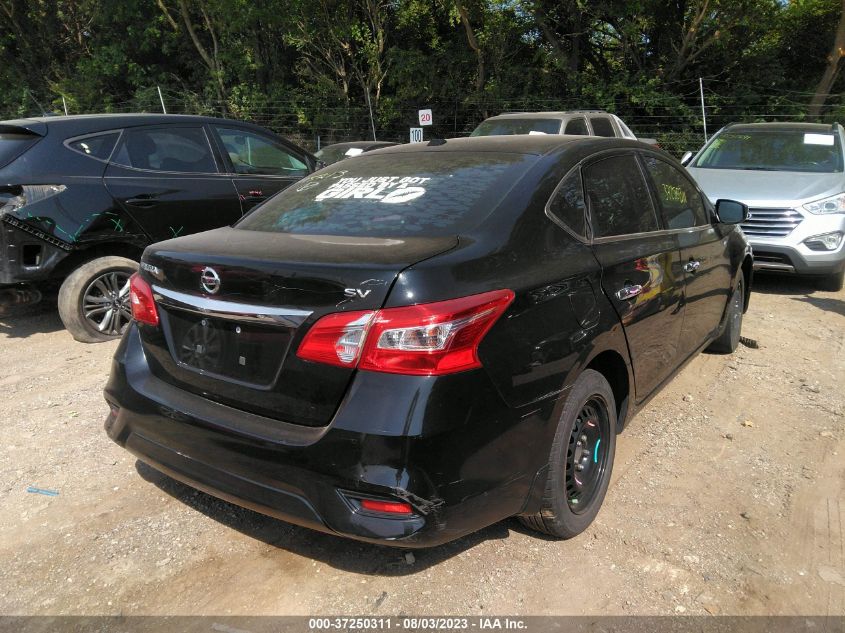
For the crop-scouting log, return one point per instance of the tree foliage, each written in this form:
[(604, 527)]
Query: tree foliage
[(317, 64)]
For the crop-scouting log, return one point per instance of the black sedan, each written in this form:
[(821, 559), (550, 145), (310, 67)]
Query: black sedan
[(81, 196), (430, 338)]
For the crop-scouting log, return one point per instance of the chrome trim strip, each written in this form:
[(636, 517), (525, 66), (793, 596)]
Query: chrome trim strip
[(288, 317), (763, 265)]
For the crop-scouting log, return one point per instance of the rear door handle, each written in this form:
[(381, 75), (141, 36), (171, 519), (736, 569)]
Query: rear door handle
[(142, 202), (628, 292), (692, 266)]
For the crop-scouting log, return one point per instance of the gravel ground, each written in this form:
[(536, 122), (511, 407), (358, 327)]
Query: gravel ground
[(727, 498)]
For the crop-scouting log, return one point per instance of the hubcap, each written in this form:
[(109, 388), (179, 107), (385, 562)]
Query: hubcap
[(105, 303), (586, 457)]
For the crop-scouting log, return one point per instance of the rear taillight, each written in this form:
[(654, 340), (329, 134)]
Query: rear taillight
[(141, 297), (387, 507), (428, 339)]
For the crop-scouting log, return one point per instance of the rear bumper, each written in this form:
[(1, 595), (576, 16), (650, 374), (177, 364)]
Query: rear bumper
[(24, 256), (458, 477)]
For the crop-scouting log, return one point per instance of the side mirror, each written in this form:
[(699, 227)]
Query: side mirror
[(686, 158), (731, 212)]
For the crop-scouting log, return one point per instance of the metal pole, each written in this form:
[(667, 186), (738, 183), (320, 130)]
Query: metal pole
[(163, 109), (372, 121), (64, 103), (703, 113)]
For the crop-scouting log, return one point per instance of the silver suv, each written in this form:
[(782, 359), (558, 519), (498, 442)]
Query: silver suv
[(792, 177), (580, 122)]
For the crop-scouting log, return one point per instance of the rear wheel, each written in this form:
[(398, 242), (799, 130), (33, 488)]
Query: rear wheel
[(728, 340), (94, 299), (581, 459)]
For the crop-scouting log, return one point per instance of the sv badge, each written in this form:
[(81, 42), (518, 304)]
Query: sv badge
[(356, 292)]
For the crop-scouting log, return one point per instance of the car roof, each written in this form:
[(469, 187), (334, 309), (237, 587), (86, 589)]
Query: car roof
[(86, 123), (781, 125), (544, 115), (345, 144), (537, 144)]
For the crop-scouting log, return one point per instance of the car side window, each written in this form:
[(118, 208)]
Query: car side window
[(577, 126), (180, 149), (251, 153), (567, 205), (679, 200), (96, 146), (617, 197), (602, 126)]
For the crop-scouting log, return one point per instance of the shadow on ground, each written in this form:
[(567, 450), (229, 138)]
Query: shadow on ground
[(335, 551), (828, 304), (772, 284), (41, 318)]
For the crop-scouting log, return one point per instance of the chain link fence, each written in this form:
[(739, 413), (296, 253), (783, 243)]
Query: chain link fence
[(675, 121)]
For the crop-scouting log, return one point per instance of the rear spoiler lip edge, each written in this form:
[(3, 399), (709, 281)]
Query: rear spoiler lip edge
[(36, 128)]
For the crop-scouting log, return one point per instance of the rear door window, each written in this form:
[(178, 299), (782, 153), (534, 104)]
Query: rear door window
[(174, 149), (13, 144), (98, 146), (577, 126), (602, 126), (397, 194), (618, 199), (251, 153), (567, 206), (679, 200)]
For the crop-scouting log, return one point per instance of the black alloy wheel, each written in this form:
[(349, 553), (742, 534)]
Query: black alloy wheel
[(105, 303)]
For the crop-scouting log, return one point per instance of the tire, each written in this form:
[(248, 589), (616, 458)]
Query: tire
[(728, 340), (100, 290), (568, 509), (834, 282)]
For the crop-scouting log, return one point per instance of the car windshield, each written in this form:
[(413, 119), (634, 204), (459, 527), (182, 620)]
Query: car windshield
[(774, 150), (394, 195), (331, 154), (504, 127)]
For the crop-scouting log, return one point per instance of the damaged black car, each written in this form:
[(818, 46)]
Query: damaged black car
[(82, 196), (412, 345)]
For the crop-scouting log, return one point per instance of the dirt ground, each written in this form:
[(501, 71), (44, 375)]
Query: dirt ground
[(727, 498)]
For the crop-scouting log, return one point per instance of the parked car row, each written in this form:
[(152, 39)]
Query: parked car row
[(404, 346)]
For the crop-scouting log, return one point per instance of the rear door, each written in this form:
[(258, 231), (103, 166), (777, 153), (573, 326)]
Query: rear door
[(704, 251), (260, 165), (642, 274), (167, 178)]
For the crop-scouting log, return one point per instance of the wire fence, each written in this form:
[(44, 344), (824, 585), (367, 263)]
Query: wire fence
[(674, 120)]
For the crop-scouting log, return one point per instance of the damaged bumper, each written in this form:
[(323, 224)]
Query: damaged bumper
[(446, 465)]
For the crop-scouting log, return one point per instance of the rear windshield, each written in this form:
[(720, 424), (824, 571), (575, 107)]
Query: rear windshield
[(13, 145), (503, 127), (774, 150), (393, 195)]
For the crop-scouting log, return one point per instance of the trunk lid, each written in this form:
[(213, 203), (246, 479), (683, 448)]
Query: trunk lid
[(237, 345)]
